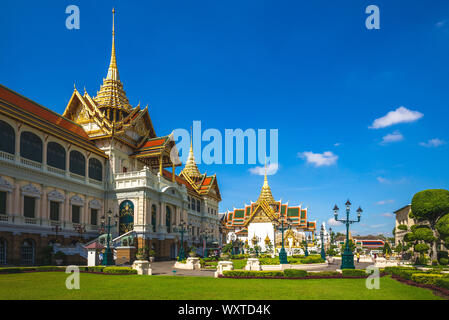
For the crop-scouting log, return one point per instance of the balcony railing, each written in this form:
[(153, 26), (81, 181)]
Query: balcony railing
[(7, 156), (31, 163)]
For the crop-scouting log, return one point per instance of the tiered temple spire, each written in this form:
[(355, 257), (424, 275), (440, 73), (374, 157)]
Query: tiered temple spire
[(191, 169), (265, 193), (111, 98)]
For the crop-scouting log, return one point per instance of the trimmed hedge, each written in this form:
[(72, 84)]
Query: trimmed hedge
[(253, 274), (293, 273), (426, 278), (16, 269), (95, 269), (354, 273), (324, 274), (442, 283), (119, 270)]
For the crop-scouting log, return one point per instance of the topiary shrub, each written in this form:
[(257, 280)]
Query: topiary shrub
[(353, 273), (119, 270), (294, 273), (444, 261)]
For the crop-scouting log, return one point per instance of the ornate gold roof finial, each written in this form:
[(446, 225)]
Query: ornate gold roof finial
[(113, 70), (111, 94), (191, 168), (265, 193)]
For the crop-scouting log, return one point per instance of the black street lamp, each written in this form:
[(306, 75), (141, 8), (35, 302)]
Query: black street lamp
[(108, 259), (81, 229), (56, 230), (282, 252), (206, 234), (182, 228), (347, 258), (323, 252)]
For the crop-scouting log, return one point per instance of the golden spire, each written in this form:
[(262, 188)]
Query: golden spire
[(265, 193), (113, 70), (111, 94), (191, 168)]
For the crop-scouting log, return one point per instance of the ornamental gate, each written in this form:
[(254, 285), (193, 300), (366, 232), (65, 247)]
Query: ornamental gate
[(126, 220)]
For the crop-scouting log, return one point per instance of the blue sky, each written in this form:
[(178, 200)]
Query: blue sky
[(307, 68)]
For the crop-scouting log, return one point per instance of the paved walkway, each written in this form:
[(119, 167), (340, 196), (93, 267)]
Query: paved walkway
[(167, 268)]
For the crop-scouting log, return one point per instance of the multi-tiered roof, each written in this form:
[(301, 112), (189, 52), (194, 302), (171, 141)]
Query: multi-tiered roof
[(266, 209)]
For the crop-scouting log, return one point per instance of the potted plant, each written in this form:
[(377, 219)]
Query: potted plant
[(152, 254), (59, 257), (141, 253), (192, 252)]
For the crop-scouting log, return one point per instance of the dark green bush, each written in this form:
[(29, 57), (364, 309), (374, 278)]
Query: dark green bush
[(444, 261), (49, 268), (121, 270), (95, 269), (323, 274), (293, 273), (442, 283), (311, 259), (354, 273), (253, 274)]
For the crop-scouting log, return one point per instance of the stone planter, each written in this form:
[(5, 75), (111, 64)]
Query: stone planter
[(252, 264), (143, 267), (192, 263), (223, 266)]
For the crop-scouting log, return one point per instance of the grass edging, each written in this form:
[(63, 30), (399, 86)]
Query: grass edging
[(442, 291)]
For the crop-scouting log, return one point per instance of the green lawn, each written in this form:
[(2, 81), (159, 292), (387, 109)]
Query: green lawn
[(51, 285)]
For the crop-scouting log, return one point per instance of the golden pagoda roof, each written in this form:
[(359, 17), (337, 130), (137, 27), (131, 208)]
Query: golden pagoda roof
[(111, 94), (265, 193), (191, 169)]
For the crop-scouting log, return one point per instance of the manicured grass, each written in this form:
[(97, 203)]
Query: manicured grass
[(51, 285)]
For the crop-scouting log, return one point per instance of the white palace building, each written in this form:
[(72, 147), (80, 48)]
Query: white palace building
[(59, 174)]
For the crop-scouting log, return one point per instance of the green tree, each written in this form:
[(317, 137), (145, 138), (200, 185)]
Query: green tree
[(442, 227), (386, 249), (429, 206)]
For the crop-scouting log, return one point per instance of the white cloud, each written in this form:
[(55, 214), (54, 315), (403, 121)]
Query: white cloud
[(272, 168), (392, 137), (382, 202), (387, 214), (327, 158), (440, 24), (333, 223), (337, 144), (432, 143), (400, 115), (383, 180), (375, 226)]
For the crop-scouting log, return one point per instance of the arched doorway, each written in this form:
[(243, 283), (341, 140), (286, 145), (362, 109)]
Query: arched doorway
[(27, 252), (126, 220)]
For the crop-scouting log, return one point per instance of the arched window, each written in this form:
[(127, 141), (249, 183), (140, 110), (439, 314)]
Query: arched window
[(27, 252), (192, 204), (198, 205), (77, 163), (7, 138), (153, 217), (95, 169), (188, 200), (2, 251), (168, 217), (56, 155), (30, 146)]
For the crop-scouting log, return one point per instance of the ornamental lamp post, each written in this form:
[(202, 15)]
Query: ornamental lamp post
[(323, 252), (182, 228), (108, 259), (206, 234), (282, 252), (56, 229), (306, 252), (347, 258), (233, 237)]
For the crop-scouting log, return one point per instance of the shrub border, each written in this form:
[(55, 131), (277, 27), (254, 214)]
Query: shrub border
[(442, 291)]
